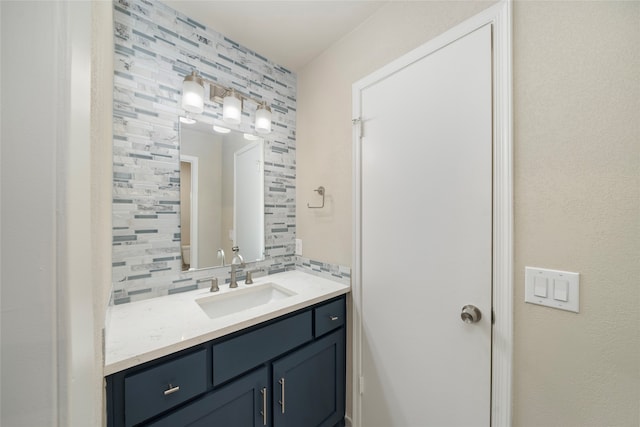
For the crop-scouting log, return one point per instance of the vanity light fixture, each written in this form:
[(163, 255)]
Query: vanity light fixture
[(231, 100), (193, 93), (221, 129), (263, 118), (251, 137)]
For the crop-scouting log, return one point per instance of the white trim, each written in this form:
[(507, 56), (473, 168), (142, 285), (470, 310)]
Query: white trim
[(77, 365), (84, 398), (502, 338), (193, 251), (499, 16), (356, 269)]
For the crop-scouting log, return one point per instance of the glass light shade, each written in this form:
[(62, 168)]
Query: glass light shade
[(263, 119), (250, 137), (232, 109), (221, 129), (192, 96), (187, 120)]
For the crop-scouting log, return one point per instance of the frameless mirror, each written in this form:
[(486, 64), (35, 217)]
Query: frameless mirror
[(221, 196)]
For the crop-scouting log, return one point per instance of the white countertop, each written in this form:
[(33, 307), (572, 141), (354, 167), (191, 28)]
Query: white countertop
[(146, 330)]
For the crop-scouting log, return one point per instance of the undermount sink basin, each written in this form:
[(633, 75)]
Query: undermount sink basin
[(220, 305)]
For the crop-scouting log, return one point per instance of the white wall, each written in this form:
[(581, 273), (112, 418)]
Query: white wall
[(577, 174), (101, 188), (54, 257), (28, 225), (577, 208), (101, 152)]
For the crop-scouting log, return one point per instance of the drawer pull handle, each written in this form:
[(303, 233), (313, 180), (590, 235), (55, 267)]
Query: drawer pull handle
[(264, 406), (281, 382), (171, 390), (334, 318)]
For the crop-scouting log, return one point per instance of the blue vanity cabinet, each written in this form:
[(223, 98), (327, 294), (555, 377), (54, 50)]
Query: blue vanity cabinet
[(309, 384), (328, 317), (238, 354), (241, 403), (287, 372), (140, 393)]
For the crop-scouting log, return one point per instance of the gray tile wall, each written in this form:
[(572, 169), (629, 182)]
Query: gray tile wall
[(337, 273), (154, 48)]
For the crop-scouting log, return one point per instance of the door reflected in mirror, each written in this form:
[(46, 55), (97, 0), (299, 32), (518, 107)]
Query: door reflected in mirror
[(221, 196)]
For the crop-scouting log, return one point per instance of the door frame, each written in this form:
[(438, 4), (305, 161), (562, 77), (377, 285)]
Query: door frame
[(499, 16), (193, 200)]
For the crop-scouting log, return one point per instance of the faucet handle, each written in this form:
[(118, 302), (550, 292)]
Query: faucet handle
[(248, 279), (214, 285)]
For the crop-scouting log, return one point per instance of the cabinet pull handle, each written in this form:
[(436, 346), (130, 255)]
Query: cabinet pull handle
[(264, 406), (333, 317), (281, 382), (171, 390)]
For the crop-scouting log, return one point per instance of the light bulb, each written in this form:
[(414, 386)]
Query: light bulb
[(232, 108), (221, 129), (193, 93), (187, 120), (263, 119)]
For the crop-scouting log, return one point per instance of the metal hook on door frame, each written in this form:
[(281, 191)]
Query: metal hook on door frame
[(320, 191)]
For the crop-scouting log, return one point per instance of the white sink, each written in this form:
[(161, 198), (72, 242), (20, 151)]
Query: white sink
[(236, 300)]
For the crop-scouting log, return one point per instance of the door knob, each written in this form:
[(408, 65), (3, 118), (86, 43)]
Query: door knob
[(470, 314)]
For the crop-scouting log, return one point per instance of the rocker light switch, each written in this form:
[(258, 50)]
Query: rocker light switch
[(540, 286), (561, 290), (553, 288)]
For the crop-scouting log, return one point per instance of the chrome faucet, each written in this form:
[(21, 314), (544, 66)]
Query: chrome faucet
[(221, 255), (236, 261)]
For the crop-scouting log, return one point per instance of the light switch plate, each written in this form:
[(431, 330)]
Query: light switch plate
[(299, 247), (562, 289)]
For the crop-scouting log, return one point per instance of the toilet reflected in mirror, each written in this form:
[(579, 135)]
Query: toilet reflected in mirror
[(186, 257)]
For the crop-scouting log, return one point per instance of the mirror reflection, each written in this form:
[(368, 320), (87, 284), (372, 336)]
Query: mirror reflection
[(221, 196)]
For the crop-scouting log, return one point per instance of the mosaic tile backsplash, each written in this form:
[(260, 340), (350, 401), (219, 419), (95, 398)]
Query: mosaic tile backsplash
[(337, 273), (154, 48)]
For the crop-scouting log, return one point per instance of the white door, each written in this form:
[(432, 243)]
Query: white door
[(426, 239), (248, 201)]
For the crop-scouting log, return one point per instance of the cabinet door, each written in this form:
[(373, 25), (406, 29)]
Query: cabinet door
[(309, 384), (241, 403)]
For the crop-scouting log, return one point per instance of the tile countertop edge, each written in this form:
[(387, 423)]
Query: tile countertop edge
[(218, 332)]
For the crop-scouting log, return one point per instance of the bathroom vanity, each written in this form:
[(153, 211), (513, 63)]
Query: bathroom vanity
[(280, 363)]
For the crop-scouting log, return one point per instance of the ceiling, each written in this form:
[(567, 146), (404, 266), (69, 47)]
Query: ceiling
[(289, 33)]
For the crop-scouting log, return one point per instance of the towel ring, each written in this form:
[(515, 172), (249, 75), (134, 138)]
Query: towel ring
[(320, 191)]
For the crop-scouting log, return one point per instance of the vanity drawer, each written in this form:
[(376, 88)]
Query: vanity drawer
[(329, 317), (164, 386), (242, 353)]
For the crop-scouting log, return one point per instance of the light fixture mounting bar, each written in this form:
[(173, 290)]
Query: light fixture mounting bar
[(218, 92)]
